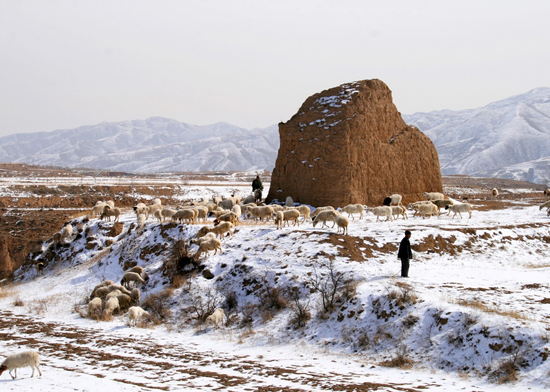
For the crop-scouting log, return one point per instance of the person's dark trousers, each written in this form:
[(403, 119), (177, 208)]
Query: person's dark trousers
[(405, 268)]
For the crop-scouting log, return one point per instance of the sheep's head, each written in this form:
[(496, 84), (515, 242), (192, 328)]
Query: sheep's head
[(2, 368)]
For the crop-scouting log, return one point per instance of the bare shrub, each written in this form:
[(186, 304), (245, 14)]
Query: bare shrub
[(300, 309), (333, 285), (204, 304), (18, 302), (158, 306), (247, 312), (40, 306), (403, 295), (400, 359), (506, 372)]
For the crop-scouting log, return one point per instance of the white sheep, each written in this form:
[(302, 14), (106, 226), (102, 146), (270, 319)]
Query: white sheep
[(67, 233), (319, 209), (110, 203), (110, 307), (209, 245), (427, 209), (206, 237), (279, 219), (442, 203), (226, 204), (305, 211), (131, 277), (94, 308), (216, 318), (164, 213), (20, 360), (220, 229), (259, 213), (289, 215), (237, 210), (98, 208), (135, 313), (151, 209), (202, 213), (324, 217), (393, 200), (289, 202), (140, 208), (185, 214), (381, 211), (494, 192), (351, 209), (545, 205), (399, 211), (459, 208), (342, 222), (141, 218), (433, 196), (109, 211), (39, 269), (137, 269), (229, 217)]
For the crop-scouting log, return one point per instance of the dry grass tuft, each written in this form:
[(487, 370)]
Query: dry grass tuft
[(478, 305), (400, 360)]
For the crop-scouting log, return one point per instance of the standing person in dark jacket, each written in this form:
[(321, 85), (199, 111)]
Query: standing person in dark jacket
[(257, 188), (405, 254)]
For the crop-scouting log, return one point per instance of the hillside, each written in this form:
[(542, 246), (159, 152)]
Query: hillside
[(507, 139), (472, 315), (147, 146)]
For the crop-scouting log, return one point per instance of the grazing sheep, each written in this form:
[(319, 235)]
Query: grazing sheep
[(216, 318), (545, 205), (206, 237), (226, 204), (249, 199), (259, 213), (136, 296), (124, 302), (207, 246), (342, 222), (459, 208), (351, 209), (399, 211), (324, 217), (135, 313), (185, 214), (494, 192), (428, 209), (278, 207), (202, 213), (222, 229), (258, 196), (279, 217), (94, 308), (141, 218), (237, 210), (118, 287), (414, 206), (114, 293), (289, 202), (229, 217), (108, 212), (111, 306), (137, 269), (393, 200), (442, 203), (319, 209), (381, 211), (20, 360), (101, 292), (290, 215), (433, 196), (130, 278), (39, 269), (98, 209), (305, 211), (67, 233), (164, 213)]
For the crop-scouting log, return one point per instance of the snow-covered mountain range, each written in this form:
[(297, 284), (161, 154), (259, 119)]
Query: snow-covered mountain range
[(149, 146), (505, 139)]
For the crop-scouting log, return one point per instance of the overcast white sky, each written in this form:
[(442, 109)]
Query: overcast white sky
[(253, 63)]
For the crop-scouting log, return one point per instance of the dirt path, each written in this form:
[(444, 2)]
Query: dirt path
[(148, 364)]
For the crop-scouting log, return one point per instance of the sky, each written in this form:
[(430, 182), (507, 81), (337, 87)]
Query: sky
[(253, 63)]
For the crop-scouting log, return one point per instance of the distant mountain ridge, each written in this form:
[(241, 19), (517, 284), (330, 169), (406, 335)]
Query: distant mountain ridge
[(506, 139), (153, 145)]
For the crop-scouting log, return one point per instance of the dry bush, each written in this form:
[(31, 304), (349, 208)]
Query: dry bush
[(403, 295), (158, 306), (334, 286), (18, 302), (247, 313), (400, 360), (506, 372), (204, 304), (6, 293), (300, 309)]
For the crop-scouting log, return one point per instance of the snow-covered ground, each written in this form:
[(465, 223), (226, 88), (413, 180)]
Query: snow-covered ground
[(476, 301)]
